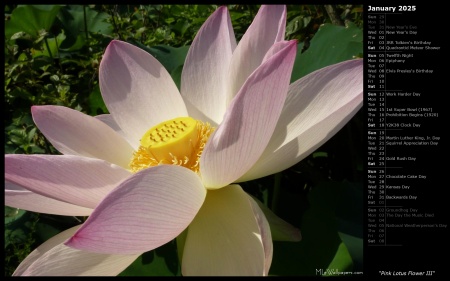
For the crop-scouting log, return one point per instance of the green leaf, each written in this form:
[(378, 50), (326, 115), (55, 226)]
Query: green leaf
[(340, 263), (18, 225), (168, 56), (331, 44), (176, 76), (354, 246), (162, 261), (180, 242), (31, 19), (296, 24), (12, 214), (51, 225), (31, 134), (76, 45), (234, 15), (350, 219), (74, 17), (321, 247), (20, 35), (181, 27), (53, 45), (36, 149), (22, 57), (96, 104), (10, 149)]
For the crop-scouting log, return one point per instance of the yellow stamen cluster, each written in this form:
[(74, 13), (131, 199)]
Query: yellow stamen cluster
[(179, 141)]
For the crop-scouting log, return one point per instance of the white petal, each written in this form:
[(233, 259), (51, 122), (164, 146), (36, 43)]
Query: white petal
[(225, 238), (137, 89), (53, 258), (75, 133), (19, 197), (318, 106), (108, 119), (204, 79)]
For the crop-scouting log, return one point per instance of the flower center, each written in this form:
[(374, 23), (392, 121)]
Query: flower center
[(179, 141)]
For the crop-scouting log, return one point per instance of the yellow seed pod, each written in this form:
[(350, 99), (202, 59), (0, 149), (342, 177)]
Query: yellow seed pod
[(176, 137)]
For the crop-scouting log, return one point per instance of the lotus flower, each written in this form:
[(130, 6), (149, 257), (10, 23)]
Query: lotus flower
[(164, 161)]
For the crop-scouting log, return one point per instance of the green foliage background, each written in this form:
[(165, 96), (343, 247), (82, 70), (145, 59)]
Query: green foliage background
[(52, 56)]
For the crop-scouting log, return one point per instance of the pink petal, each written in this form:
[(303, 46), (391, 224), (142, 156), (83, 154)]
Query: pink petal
[(204, 79), (53, 258), (226, 238), (249, 122), (76, 180), (137, 89), (317, 107), (146, 211), (267, 28), (75, 133), (19, 197), (277, 47)]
